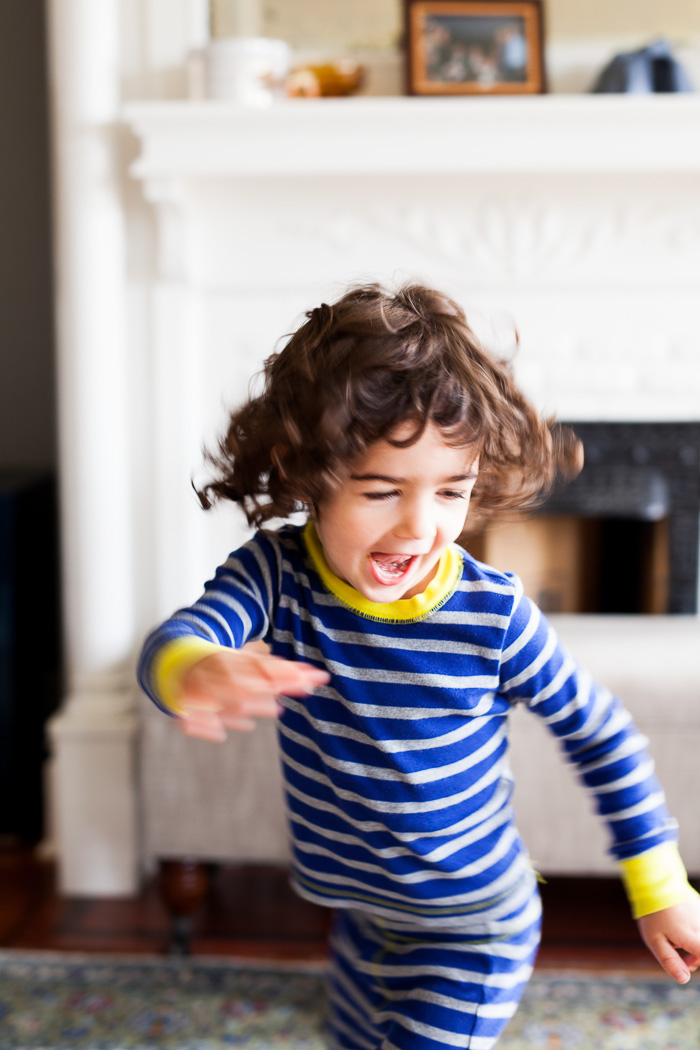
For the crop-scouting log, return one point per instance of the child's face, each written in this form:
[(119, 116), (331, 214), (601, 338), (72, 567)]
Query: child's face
[(384, 530)]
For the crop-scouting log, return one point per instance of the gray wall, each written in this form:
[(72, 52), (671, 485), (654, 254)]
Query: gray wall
[(27, 372), (337, 24)]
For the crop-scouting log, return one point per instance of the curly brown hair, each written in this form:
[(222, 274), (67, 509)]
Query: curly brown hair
[(355, 371)]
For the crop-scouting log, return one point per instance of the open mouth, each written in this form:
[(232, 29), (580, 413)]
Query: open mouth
[(389, 568)]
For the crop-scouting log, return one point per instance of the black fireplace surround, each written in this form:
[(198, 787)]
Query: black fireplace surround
[(637, 473)]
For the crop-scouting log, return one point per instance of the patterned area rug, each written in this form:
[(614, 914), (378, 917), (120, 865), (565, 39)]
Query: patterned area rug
[(67, 1002)]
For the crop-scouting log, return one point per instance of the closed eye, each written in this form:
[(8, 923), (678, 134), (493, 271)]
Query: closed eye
[(451, 494), (380, 495)]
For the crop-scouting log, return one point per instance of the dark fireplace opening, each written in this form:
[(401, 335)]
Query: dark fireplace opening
[(622, 537), (632, 568)]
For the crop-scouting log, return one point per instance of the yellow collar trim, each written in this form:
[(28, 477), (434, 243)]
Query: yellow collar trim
[(438, 591)]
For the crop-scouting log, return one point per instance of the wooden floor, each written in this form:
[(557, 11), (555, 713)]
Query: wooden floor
[(251, 912)]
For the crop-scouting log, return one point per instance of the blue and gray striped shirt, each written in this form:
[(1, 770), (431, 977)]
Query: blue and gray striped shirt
[(396, 772)]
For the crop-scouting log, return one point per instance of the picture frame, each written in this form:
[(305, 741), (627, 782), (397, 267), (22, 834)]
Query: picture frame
[(484, 47)]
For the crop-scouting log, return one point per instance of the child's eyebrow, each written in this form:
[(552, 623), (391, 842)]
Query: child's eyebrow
[(377, 477), (401, 481)]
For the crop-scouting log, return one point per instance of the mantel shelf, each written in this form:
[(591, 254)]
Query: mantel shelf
[(576, 134)]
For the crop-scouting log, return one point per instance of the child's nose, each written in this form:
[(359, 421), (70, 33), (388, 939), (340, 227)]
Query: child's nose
[(417, 522)]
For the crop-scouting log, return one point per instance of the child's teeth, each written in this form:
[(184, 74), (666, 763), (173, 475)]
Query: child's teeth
[(390, 564)]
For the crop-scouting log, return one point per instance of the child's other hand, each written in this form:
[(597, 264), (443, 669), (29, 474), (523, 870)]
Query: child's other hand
[(231, 689), (673, 938)]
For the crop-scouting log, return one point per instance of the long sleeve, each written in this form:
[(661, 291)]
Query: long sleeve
[(236, 607), (599, 737), (596, 732)]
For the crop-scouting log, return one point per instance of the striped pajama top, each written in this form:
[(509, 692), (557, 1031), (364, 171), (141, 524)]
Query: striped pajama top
[(396, 772)]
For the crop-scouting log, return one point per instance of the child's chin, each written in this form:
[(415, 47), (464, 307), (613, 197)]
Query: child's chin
[(381, 593)]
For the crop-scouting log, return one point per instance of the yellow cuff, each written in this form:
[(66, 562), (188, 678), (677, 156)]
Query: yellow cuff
[(656, 880), (172, 664)]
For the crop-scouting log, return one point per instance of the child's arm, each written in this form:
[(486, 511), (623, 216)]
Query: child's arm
[(600, 738), (198, 666), (228, 688)]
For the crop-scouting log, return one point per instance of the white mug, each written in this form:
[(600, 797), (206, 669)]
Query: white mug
[(249, 70)]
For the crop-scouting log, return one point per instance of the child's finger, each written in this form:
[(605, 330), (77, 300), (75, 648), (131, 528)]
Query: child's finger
[(210, 726), (238, 722), (690, 960), (689, 948), (270, 677), (204, 725), (670, 960), (284, 675), (219, 696), (196, 703), (254, 707)]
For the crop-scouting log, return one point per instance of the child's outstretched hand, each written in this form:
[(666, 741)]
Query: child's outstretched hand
[(673, 938), (231, 689)]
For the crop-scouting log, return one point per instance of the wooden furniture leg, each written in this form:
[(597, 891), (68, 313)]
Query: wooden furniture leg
[(183, 884)]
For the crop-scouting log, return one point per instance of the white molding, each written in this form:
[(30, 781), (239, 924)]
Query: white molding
[(593, 250), (100, 54), (93, 787), (362, 136)]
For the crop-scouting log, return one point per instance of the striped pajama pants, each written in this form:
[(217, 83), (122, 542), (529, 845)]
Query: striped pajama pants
[(423, 989)]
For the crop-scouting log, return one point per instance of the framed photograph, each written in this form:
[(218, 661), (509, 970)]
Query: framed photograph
[(489, 47)]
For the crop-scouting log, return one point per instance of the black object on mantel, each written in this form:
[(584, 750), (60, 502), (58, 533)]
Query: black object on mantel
[(652, 69), (29, 645)]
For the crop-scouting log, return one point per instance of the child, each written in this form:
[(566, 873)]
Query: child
[(398, 658)]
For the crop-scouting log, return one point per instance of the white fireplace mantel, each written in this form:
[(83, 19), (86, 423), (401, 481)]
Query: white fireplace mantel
[(534, 208), (370, 136)]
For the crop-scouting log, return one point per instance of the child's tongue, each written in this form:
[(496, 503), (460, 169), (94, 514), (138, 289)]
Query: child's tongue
[(390, 566)]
